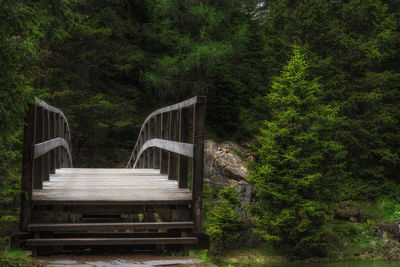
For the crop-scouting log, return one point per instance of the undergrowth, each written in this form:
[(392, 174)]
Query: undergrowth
[(15, 258)]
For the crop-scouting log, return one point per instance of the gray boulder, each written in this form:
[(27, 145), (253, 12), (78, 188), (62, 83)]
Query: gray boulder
[(224, 165)]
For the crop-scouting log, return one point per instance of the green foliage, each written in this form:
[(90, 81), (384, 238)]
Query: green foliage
[(330, 126), (208, 48), (15, 258), (24, 29), (353, 47), (224, 221), (300, 164)]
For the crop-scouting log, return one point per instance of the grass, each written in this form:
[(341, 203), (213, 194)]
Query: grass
[(353, 241), (241, 257), (356, 241), (15, 258)]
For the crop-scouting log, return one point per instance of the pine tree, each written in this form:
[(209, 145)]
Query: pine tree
[(300, 163)]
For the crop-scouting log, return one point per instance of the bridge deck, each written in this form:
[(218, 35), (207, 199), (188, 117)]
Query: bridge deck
[(79, 186)]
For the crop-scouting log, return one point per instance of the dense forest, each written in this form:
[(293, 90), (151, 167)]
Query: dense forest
[(312, 85)]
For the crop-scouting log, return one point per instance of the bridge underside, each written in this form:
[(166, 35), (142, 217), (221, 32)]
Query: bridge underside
[(102, 207)]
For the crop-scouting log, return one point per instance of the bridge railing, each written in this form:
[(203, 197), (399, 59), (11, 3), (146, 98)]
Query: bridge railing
[(47, 147), (168, 138)]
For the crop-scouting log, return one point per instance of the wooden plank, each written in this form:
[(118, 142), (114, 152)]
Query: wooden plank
[(157, 134), (171, 146), (183, 138), (97, 202), (107, 170), (173, 136), (38, 162), (164, 135), (46, 156), (198, 163), (66, 158), (27, 169), (45, 147), (110, 241), (57, 134), (108, 226), (111, 194), (52, 136), (62, 155)]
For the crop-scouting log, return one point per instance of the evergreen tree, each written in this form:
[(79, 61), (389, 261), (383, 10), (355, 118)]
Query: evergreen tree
[(354, 48), (209, 48), (300, 162)]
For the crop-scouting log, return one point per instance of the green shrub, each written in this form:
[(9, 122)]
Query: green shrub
[(224, 221), (15, 258)]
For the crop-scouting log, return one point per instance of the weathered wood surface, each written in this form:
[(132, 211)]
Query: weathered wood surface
[(171, 146), (47, 146), (46, 227), (110, 187), (27, 169), (110, 241)]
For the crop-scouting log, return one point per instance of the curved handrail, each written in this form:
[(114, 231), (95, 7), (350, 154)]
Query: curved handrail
[(164, 143), (46, 147), (44, 105), (184, 104), (171, 146)]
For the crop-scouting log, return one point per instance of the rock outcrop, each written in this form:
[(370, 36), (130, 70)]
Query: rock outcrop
[(382, 229), (224, 165), (348, 212)]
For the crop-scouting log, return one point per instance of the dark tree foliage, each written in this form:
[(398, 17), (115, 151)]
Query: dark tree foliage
[(354, 48), (24, 27)]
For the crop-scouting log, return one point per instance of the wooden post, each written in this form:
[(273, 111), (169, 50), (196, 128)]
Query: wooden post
[(172, 157), (198, 162), (146, 152), (184, 138), (164, 135), (52, 136), (151, 149), (38, 162), (46, 157), (27, 170)]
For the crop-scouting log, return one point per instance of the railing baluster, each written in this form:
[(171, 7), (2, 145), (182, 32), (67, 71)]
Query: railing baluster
[(46, 157), (38, 162), (52, 136), (65, 136), (57, 134), (164, 135), (61, 149), (172, 157), (141, 139), (151, 150), (147, 154), (157, 134), (184, 138)]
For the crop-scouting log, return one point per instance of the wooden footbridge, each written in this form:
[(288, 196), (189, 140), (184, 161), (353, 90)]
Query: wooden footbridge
[(153, 203)]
